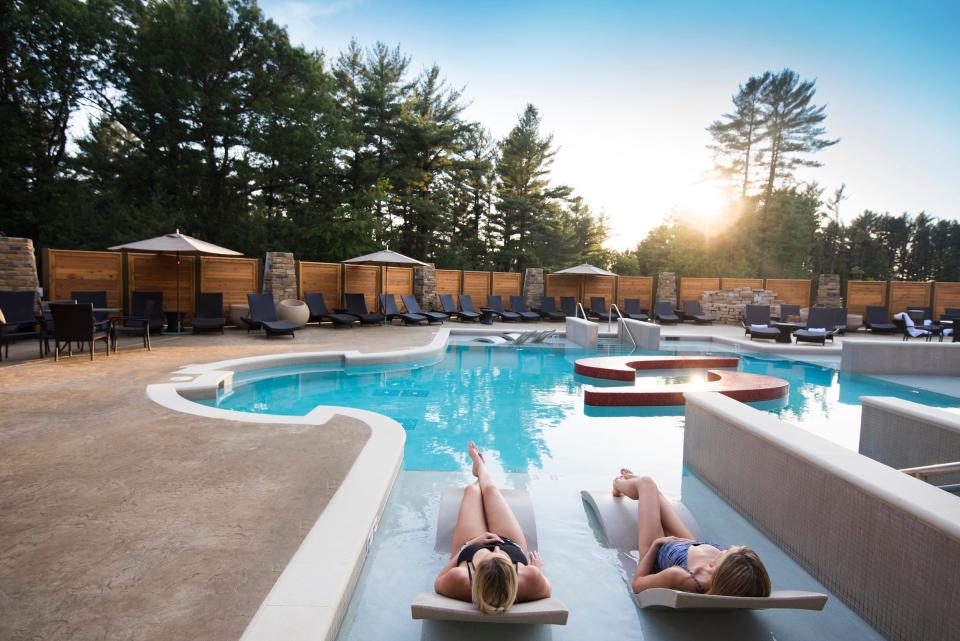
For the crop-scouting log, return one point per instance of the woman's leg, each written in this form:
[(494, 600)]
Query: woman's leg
[(470, 519), (500, 518), (644, 491)]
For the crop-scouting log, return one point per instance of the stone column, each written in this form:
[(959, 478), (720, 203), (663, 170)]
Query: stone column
[(18, 267), (425, 286), (667, 288), (533, 286), (828, 290), (280, 276)]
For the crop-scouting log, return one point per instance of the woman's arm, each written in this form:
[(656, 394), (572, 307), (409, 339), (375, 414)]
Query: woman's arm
[(673, 577), (531, 583), (645, 566), (453, 582)]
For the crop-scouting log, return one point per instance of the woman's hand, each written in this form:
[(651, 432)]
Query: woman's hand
[(483, 539), (536, 560)]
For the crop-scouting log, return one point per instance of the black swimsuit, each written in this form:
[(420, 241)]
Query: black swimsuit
[(514, 551)]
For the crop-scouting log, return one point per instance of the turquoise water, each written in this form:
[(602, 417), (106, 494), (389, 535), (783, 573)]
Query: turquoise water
[(524, 405)]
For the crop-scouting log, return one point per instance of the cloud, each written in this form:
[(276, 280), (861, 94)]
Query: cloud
[(299, 16)]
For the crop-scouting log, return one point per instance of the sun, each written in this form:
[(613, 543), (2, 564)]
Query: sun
[(705, 203)]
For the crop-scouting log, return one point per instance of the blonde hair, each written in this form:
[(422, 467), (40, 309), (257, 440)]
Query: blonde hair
[(741, 573), (494, 585)]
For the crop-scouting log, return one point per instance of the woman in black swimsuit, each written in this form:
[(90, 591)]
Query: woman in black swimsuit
[(489, 561)]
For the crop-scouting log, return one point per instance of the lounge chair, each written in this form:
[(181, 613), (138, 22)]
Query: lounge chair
[(209, 313), (430, 605), (878, 320), (320, 313), (756, 322), (97, 299), (19, 321), (692, 311), (357, 306), (598, 306), (548, 309), (617, 517), (663, 313), (138, 304), (450, 308), (519, 305), (821, 325), (466, 305), (910, 327), (788, 311), (139, 326), (263, 315), (410, 302), (75, 323), (568, 305), (840, 321), (517, 338), (389, 306), (495, 303), (631, 306)]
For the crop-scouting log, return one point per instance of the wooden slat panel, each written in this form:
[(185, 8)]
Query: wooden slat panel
[(323, 278), (904, 294), (399, 282), (599, 286), (557, 285), (477, 284), (691, 288), (861, 293), (793, 291), (635, 287), (505, 285), (945, 295), (737, 283), (363, 279), (158, 273), (232, 277), (448, 282), (71, 271)]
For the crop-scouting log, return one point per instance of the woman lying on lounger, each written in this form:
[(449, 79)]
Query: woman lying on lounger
[(673, 559), (489, 561)]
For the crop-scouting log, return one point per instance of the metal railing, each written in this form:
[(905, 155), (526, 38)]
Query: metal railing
[(924, 472), (613, 307), (580, 310)]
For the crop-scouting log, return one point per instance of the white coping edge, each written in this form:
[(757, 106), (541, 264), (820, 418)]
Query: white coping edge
[(932, 505), (753, 346), (908, 409)]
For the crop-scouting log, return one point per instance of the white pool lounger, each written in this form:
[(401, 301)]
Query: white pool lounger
[(617, 517), (430, 605)]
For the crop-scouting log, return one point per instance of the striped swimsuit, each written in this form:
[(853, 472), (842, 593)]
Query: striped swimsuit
[(675, 553)]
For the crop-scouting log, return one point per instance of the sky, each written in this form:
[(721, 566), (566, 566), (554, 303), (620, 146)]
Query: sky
[(628, 88)]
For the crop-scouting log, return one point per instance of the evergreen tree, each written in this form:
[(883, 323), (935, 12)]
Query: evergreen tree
[(736, 136)]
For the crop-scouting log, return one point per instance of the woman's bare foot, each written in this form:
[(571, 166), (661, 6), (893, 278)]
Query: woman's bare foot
[(476, 457), (625, 475)]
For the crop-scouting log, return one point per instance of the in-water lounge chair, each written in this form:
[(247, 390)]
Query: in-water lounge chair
[(631, 307), (548, 308), (320, 313), (519, 305), (450, 309), (430, 605), (692, 311), (263, 315), (496, 304), (568, 305), (756, 322), (389, 306), (878, 320), (617, 517), (357, 306), (663, 313), (209, 314), (821, 326), (413, 307)]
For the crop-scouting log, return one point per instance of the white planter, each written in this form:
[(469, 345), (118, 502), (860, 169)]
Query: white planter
[(293, 310), (237, 312)]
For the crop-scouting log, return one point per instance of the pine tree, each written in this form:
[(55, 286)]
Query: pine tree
[(736, 136)]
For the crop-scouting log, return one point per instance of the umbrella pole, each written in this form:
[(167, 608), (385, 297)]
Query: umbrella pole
[(179, 328)]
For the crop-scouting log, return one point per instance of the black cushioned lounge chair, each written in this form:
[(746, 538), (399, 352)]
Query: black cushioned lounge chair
[(631, 306), (97, 299), (138, 304), (389, 306), (320, 313), (137, 326), (789, 311), (209, 313), (568, 305), (756, 322), (466, 304), (839, 321), (74, 323), (598, 306), (878, 320), (548, 309), (410, 302), (819, 318), (450, 308), (357, 306), (263, 315), (19, 321), (663, 313), (496, 304), (519, 305), (692, 311)]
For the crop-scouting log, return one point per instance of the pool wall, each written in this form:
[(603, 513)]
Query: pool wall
[(900, 357), (886, 544)]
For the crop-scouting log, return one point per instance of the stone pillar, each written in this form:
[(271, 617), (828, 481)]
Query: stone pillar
[(533, 286), (828, 290), (667, 288), (18, 267), (425, 286), (280, 276)]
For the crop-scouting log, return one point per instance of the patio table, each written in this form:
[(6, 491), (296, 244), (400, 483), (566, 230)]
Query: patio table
[(786, 330)]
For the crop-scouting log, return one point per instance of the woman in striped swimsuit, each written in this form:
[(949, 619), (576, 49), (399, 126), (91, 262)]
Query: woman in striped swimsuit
[(672, 558)]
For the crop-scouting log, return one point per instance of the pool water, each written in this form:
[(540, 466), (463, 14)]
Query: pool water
[(524, 405)]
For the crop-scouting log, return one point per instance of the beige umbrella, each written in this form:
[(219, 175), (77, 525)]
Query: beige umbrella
[(176, 243), (385, 257), (582, 270)]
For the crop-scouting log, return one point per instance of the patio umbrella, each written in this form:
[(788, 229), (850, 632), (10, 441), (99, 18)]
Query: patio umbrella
[(176, 243), (385, 257), (582, 270)]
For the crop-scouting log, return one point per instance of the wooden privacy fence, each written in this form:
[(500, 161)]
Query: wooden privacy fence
[(793, 291), (691, 288), (635, 287), (505, 285), (904, 294), (557, 285), (477, 285), (398, 281), (448, 282), (324, 278), (362, 279), (66, 271), (945, 295), (737, 283), (233, 277), (600, 287), (864, 293)]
